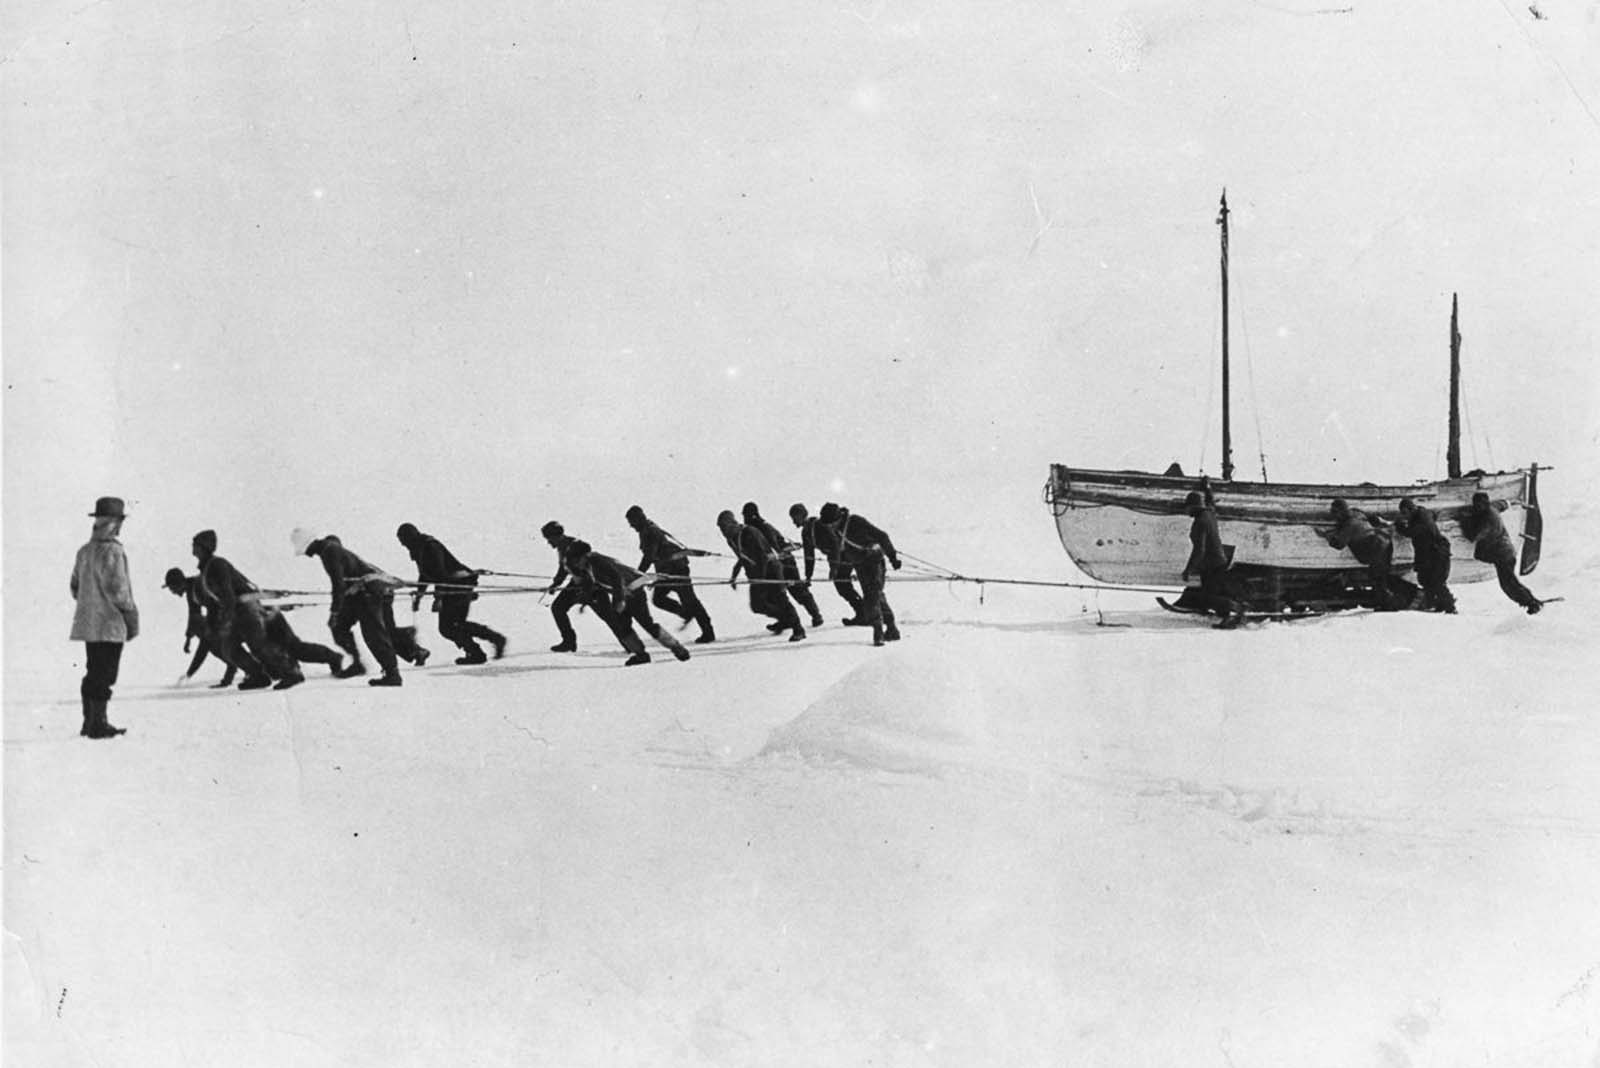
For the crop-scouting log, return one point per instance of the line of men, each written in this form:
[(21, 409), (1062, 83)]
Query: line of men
[(855, 550), (231, 621), (1368, 540)]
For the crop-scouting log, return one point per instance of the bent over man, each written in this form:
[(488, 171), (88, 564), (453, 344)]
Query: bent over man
[(453, 595), (1430, 553), (362, 594), (866, 548), (1492, 544), (815, 537), (674, 588)]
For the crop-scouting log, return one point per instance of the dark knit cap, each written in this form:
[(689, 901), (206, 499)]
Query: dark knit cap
[(552, 529), (829, 513), (175, 580), (207, 540), (407, 533)]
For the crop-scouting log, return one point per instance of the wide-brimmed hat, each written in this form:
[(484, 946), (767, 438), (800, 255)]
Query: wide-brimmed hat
[(108, 507)]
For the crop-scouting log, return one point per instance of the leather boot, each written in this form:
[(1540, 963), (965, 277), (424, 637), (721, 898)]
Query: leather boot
[(88, 719), (98, 727)]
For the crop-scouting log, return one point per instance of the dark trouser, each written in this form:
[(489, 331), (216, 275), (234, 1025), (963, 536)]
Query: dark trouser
[(800, 589), (874, 576), (1378, 555), (205, 649), (1214, 594), (455, 627), (839, 575), (1433, 571), (1506, 572), (247, 630), (674, 593), (102, 661), (281, 634), (560, 608), (769, 599), (636, 609), (375, 614)]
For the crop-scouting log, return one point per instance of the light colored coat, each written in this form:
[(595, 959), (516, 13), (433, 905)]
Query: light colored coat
[(100, 585)]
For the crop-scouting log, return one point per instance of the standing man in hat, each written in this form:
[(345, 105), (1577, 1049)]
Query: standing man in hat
[(674, 588), (1492, 545), (106, 615), (1430, 553), (866, 548), (816, 537), (799, 588), (453, 594)]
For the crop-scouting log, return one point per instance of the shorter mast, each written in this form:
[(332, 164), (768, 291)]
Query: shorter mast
[(1452, 452), (1227, 432)]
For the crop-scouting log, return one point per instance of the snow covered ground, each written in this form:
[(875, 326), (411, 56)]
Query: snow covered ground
[(270, 264), (1016, 837)]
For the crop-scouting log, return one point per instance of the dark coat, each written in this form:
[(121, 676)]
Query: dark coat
[(611, 577), (661, 550), (1487, 531), (222, 586), (1207, 555), (436, 564), (859, 540), (348, 574), (1428, 542), (816, 536), (756, 555), (1361, 534)]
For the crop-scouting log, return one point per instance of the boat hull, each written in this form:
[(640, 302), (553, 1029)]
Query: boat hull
[(1129, 528)]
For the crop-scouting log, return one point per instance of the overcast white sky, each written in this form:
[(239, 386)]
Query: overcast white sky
[(473, 267)]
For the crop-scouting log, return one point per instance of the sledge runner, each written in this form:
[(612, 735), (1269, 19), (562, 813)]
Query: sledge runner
[(674, 588), (453, 595)]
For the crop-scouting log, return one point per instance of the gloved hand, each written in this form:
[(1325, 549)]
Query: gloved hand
[(416, 601), (894, 562), (333, 620), (188, 639)]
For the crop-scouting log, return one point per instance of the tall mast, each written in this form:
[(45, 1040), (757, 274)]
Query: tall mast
[(1452, 451), (1227, 431)]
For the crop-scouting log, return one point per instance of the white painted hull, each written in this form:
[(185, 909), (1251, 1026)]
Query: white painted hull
[(1128, 528)]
